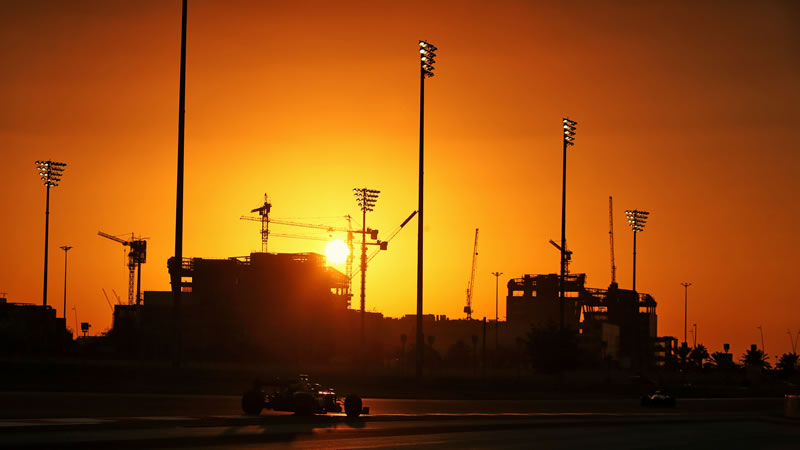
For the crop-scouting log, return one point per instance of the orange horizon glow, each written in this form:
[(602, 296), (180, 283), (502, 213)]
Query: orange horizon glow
[(684, 109)]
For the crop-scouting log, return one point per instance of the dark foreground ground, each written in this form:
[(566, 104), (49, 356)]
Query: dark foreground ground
[(103, 420), (101, 404)]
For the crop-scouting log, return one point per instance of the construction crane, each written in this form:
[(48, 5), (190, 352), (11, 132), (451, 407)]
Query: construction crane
[(137, 255), (263, 217), (349, 230), (567, 256), (384, 245), (471, 286), (611, 240)]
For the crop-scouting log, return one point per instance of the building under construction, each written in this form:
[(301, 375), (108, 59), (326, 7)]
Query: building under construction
[(294, 307), (279, 306), (621, 321)]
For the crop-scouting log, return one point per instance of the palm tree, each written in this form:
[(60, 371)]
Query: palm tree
[(722, 360), (788, 362), (698, 354), (755, 357)]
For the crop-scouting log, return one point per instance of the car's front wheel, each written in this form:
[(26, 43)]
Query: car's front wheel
[(253, 402), (353, 405)]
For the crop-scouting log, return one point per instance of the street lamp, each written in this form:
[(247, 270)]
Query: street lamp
[(637, 219), (685, 306), (50, 172), (569, 139), (66, 248), (366, 199), (427, 52), (496, 315)]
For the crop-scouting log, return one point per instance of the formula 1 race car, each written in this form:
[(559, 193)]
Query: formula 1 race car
[(299, 396), (658, 399)]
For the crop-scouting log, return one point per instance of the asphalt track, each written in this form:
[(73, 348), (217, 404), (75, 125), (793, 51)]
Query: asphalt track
[(87, 421)]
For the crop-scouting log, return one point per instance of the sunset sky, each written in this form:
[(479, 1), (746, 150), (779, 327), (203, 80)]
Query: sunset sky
[(686, 109)]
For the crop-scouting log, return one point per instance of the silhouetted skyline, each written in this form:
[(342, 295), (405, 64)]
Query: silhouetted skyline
[(686, 110)]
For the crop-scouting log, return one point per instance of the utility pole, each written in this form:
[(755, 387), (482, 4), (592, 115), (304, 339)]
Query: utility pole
[(66, 248), (496, 311), (426, 59), (685, 307), (761, 330)]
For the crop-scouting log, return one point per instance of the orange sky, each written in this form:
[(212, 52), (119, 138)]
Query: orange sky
[(685, 109)]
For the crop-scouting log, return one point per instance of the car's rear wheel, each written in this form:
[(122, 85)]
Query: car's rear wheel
[(253, 402), (353, 405)]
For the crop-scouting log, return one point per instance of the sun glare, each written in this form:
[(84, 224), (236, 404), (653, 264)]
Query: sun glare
[(336, 251)]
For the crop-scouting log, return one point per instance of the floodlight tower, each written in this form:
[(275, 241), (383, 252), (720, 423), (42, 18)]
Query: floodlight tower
[(366, 199), (50, 172), (569, 139), (637, 219), (427, 52)]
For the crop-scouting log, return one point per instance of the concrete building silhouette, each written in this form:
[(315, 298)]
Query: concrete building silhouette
[(277, 306), (27, 328), (622, 322), (295, 308)]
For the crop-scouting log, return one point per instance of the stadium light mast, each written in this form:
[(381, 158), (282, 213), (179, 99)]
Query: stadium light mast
[(366, 199), (637, 219), (427, 55), (50, 173), (569, 127)]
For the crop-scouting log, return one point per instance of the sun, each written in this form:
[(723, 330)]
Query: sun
[(336, 251)]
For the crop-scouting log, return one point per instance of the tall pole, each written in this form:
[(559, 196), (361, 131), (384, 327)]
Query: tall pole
[(46, 244), (426, 70), (178, 263), (637, 220), (562, 288), (569, 133), (685, 305), (66, 249), (634, 266), (50, 172), (138, 282), (366, 199), (363, 273), (761, 330), (496, 310)]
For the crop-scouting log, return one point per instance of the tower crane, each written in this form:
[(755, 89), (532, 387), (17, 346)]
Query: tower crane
[(611, 240), (382, 244), (137, 255), (567, 256), (471, 286), (263, 217)]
